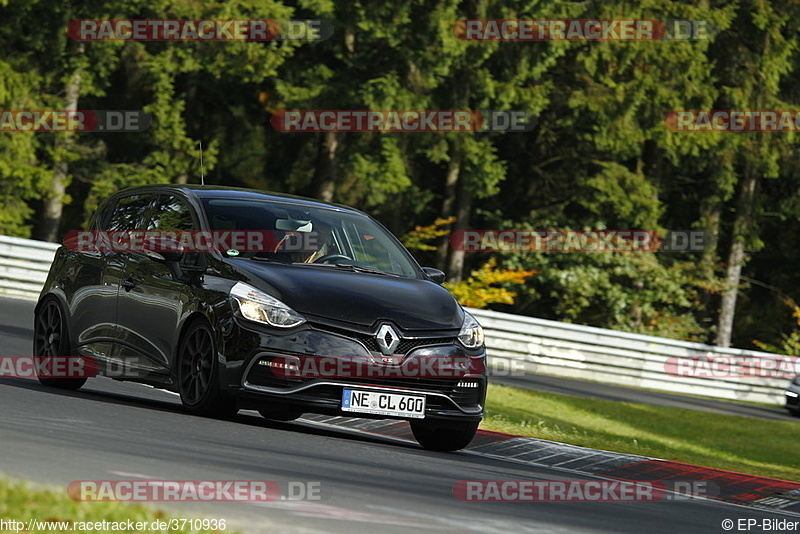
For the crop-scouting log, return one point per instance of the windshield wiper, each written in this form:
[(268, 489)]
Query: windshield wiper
[(348, 267), (356, 268)]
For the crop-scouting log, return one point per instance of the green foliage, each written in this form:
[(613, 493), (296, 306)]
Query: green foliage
[(21, 177), (634, 292), (420, 237), (622, 196), (643, 292), (488, 285), (789, 343)]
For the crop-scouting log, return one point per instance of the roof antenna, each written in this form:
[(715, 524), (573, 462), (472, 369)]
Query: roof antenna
[(202, 171)]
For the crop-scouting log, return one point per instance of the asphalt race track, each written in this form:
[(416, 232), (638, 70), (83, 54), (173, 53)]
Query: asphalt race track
[(110, 430)]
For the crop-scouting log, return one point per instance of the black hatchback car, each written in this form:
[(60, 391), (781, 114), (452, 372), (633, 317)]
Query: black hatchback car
[(792, 395), (290, 306)]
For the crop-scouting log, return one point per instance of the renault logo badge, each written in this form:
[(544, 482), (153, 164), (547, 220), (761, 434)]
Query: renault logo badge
[(387, 339)]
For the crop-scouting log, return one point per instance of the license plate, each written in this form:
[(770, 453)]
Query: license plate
[(376, 402)]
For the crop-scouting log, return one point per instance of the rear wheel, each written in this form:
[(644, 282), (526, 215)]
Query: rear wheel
[(51, 340), (436, 436), (198, 376)]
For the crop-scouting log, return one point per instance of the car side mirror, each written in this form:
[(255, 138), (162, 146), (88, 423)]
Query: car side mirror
[(171, 253), (163, 250), (434, 275)]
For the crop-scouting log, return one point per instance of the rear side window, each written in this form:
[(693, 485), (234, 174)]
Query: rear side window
[(129, 213), (99, 219), (171, 213)]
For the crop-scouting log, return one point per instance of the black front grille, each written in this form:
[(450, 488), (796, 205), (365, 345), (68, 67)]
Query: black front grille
[(368, 340), (407, 345), (435, 385)]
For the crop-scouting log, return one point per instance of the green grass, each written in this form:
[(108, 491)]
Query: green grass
[(744, 444), (20, 502)]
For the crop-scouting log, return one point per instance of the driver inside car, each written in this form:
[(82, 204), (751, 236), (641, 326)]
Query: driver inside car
[(307, 247)]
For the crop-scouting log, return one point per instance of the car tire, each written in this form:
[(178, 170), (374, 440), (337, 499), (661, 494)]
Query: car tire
[(198, 375), (280, 414), (51, 339), (435, 436)]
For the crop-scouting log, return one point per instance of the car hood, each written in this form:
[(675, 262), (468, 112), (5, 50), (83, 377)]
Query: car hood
[(361, 298)]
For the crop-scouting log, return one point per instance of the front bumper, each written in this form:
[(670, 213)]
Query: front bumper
[(308, 368)]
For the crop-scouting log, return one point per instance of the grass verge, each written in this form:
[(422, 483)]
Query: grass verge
[(743, 444), (19, 502)]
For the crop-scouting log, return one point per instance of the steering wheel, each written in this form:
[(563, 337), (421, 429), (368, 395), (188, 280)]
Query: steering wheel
[(328, 257)]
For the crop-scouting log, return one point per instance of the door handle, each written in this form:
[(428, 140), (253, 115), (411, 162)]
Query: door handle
[(128, 284)]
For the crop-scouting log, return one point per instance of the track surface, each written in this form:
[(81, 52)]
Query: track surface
[(111, 430)]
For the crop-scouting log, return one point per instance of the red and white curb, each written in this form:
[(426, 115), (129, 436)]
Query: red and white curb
[(736, 488)]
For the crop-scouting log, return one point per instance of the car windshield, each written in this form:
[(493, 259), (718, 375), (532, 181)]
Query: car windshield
[(307, 235)]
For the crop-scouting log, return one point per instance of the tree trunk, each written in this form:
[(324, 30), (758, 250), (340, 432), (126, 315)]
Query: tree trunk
[(741, 229), (710, 217), (653, 164), (54, 198), (449, 203), (455, 267), (324, 181)]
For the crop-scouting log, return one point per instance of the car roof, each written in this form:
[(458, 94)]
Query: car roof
[(217, 191)]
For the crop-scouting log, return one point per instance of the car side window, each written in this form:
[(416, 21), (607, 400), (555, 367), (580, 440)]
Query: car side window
[(129, 213), (171, 213)]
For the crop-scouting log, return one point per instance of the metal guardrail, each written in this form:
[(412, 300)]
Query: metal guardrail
[(517, 342), (621, 358), (24, 264)]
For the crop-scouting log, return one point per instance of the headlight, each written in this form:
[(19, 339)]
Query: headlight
[(471, 334), (257, 306)]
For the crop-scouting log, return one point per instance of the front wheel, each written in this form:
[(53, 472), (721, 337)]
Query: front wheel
[(435, 436), (51, 340), (198, 377)]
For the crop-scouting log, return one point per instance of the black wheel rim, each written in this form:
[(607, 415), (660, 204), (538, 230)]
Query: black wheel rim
[(196, 360), (49, 331)]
